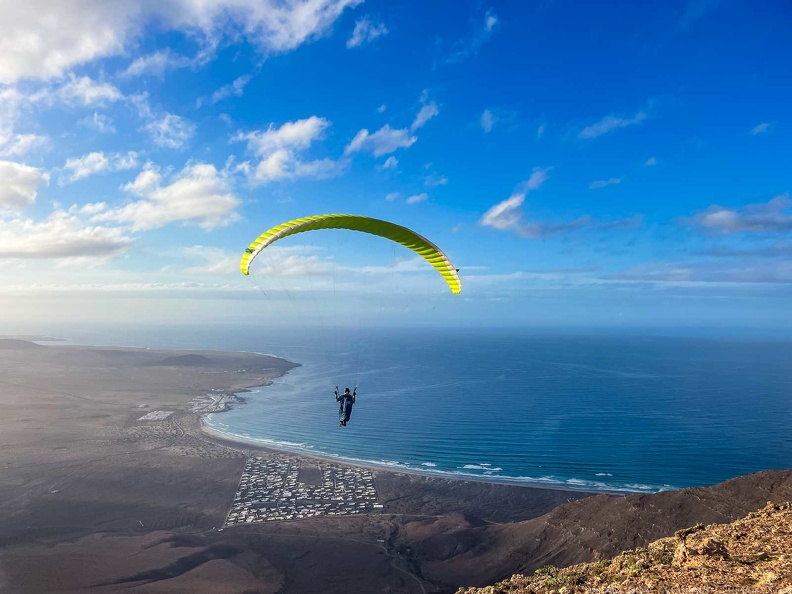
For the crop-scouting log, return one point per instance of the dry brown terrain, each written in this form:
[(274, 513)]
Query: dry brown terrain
[(753, 554), (92, 499)]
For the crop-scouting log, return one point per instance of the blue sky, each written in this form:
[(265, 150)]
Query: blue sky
[(582, 163)]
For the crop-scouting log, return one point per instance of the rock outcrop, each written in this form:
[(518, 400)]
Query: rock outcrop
[(753, 554)]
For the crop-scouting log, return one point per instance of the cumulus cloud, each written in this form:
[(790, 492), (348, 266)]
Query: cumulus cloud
[(64, 234), (16, 145), (650, 162), (234, 89), (390, 163), (170, 131), (19, 185), (508, 214), (156, 64), (366, 31), (773, 216), (428, 110), (87, 92), (279, 149), (433, 181), (198, 195), (382, 142), (417, 198), (97, 162), (146, 181), (390, 197), (388, 140), (604, 183), (45, 41), (611, 123), (296, 135)]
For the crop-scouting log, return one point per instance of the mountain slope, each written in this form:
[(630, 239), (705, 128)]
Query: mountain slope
[(754, 552)]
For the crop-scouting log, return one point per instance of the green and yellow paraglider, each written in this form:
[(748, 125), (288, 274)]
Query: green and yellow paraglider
[(401, 235)]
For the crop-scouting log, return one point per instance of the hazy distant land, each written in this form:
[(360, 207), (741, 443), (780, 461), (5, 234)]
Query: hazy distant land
[(108, 484), (31, 337)]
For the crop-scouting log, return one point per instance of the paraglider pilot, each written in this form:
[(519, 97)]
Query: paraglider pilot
[(345, 400)]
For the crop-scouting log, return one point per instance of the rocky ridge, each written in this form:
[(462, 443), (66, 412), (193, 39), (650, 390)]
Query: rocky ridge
[(753, 554)]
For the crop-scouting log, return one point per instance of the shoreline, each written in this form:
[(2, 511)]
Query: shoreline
[(236, 440), (224, 439), (239, 394)]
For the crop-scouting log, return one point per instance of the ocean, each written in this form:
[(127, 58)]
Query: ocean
[(591, 411)]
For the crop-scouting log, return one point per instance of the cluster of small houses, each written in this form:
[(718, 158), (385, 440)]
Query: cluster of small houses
[(269, 490), (212, 402)]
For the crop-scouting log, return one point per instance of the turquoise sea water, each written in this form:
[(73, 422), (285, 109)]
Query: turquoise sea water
[(601, 411)]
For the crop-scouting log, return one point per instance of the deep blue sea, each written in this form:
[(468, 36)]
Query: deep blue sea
[(589, 411)]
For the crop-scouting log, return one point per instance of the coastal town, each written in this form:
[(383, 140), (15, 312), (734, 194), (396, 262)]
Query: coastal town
[(283, 489)]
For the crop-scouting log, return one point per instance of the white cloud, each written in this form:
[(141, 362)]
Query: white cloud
[(538, 177), (278, 150), (487, 120), (773, 216), (433, 181), (609, 124), (234, 89), (146, 181), (426, 113), (170, 131), (19, 185), (141, 104), (760, 128), (382, 108), (540, 131), (390, 163), (508, 216), (650, 162), (366, 31), (296, 135), (21, 144), (156, 64), (62, 235), (417, 198), (270, 24), (84, 91), (388, 140), (604, 183), (198, 195), (97, 162), (99, 122), (470, 46), (392, 196), (46, 40), (383, 141)]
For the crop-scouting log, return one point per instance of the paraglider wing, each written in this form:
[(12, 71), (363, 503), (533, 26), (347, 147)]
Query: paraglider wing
[(402, 235)]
